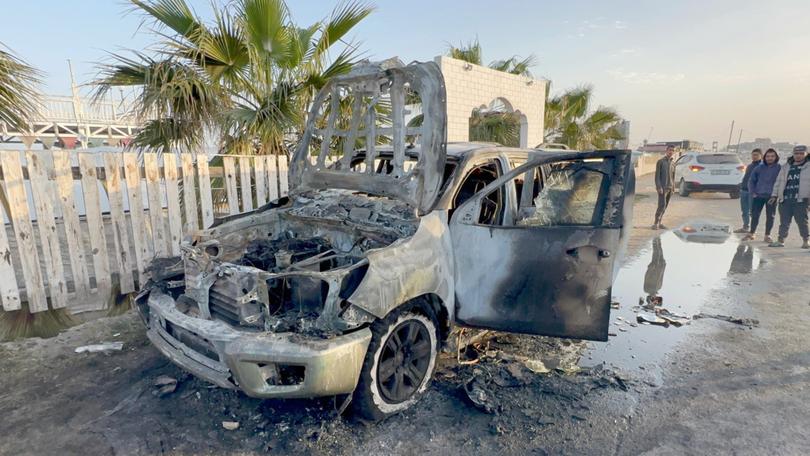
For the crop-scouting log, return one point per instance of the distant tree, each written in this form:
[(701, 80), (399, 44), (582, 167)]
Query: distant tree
[(248, 76), (19, 94), (471, 53)]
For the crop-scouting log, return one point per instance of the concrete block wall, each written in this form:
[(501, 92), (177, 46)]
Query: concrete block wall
[(473, 86)]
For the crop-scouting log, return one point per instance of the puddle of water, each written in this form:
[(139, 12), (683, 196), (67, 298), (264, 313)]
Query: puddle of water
[(682, 274)]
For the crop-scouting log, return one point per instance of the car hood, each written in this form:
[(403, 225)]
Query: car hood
[(354, 113)]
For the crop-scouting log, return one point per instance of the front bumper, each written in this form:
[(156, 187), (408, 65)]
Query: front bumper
[(239, 359)]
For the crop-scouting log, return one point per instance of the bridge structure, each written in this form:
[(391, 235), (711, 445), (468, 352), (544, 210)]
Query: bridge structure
[(75, 121)]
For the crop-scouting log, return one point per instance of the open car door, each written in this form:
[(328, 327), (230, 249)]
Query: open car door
[(546, 266)]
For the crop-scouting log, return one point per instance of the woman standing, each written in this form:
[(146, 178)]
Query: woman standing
[(760, 187)]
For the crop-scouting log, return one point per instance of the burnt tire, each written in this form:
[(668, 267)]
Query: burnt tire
[(399, 363)]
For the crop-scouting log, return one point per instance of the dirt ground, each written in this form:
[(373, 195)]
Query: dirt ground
[(710, 387)]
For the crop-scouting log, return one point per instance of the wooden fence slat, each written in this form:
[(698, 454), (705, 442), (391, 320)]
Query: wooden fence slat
[(261, 180), (284, 186), (95, 223), (173, 202), (42, 193), (228, 165), (9, 293), (63, 176), (154, 194), (246, 183), (272, 177), (141, 229), (189, 195), (206, 202), (112, 172), (23, 230)]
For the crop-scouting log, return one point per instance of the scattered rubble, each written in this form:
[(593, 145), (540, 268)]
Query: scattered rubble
[(99, 348), (165, 385), (749, 322), (651, 318), (230, 425)]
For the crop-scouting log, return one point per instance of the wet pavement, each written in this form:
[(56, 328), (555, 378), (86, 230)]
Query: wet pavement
[(677, 272)]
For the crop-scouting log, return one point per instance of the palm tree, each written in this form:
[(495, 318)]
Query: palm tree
[(19, 97), (246, 77), (496, 126), (570, 121), (472, 53)]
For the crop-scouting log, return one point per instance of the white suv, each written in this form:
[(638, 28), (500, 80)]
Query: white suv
[(709, 172)]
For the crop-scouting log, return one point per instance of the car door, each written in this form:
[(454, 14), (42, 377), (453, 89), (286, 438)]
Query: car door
[(548, 268), (680, 166)]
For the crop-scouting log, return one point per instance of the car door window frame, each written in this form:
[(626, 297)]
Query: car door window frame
[(469, 168), (469, 208)]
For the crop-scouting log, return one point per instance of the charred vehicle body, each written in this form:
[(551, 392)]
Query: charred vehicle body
[(351, 283)]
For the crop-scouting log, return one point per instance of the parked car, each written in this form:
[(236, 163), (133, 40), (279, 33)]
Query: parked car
[(351, 284), (709, 172)]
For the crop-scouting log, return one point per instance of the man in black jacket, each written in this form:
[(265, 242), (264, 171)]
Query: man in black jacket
[(745, 197), (664, 185)]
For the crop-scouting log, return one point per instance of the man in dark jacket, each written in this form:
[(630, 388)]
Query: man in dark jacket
[(792, 191), (664, 185), (745, 196), (760, 188)]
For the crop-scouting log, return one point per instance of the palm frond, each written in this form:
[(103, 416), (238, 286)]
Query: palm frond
[(470, 52), (19, 97), (172, 14), (343, 19)]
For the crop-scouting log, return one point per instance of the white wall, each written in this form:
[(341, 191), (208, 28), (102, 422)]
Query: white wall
[(473, 86)]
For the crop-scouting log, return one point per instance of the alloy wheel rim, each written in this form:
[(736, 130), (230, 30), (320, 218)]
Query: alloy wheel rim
[(404, 361)]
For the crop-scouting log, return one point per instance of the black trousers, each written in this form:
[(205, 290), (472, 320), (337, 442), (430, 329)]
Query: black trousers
[(756, 210), (663, 202), (793, 210)]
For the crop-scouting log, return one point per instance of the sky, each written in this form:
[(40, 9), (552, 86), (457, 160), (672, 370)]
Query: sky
[(676, 69)]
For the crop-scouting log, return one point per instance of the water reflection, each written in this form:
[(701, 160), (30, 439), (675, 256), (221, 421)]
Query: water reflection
[(654, 277), (677, 274), (743, 261)]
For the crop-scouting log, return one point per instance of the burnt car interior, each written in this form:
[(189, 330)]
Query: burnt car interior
[(567, 193), (475, 180)]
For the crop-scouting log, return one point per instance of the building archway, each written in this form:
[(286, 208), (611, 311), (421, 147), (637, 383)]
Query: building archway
[(498, 122)]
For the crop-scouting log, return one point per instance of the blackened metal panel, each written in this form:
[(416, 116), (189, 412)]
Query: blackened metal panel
[(553, 281)]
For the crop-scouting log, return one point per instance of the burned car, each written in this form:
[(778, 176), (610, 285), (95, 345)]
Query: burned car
[(351, 283)]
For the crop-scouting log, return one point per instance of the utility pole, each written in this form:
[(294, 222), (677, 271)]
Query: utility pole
[(730, 132), (739, 139), (77, 107)]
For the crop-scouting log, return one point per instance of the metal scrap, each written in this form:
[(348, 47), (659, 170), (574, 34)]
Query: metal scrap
[(102, 347), (749, 322)]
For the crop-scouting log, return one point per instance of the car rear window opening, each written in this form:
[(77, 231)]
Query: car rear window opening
[(718, 159)]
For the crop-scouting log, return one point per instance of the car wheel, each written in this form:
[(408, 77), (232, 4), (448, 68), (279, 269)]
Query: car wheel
[(399, 363), (682, 190), (734, 195)]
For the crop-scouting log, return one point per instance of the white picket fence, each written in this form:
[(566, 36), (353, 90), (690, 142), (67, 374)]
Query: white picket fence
[(80, 227)]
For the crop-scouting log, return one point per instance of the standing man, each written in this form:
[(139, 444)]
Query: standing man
[(745, 196), (664, 185), (792, 191)]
